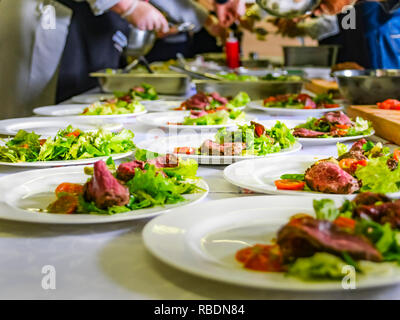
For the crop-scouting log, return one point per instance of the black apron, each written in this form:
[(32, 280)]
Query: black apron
[(89, 47)]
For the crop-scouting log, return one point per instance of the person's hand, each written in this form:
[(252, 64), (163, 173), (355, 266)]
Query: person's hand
[(332, 6), (230, 11), (144, 15), (215, 29)]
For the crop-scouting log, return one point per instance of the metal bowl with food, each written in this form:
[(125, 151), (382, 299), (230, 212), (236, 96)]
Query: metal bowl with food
[(164, 83), (255, 89), (369, 86)]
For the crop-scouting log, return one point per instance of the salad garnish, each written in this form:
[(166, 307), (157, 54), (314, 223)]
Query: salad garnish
[(248, 78), (365, 167), (301, 101), (130, 186), (389, 104), (360, 233), (113, 108), (68, 144), (253, 139), (333, 124)]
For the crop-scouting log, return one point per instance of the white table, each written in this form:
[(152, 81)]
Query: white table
[(110, 261)]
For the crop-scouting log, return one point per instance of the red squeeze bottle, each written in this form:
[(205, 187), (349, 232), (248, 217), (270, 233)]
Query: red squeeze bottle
[(232, 52)]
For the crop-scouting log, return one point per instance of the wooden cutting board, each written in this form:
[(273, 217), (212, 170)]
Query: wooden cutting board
[(386, 122), (319, 86)]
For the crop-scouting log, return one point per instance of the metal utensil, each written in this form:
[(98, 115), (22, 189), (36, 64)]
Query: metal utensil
[(184, 67), (288, 8), (368, 86)]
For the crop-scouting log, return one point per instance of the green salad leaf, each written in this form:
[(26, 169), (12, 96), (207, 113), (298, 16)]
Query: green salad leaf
[(321, 265), (113, 108), (377, 177), (240, 100), (68, 144), (219, 117), (325, 209)]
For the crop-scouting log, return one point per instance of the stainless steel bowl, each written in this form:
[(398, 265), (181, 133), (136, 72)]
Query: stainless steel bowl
[(314, 56), (140, 42), (256, 90), (369, 86)]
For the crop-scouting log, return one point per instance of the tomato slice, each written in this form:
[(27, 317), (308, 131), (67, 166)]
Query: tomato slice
[(261, 257), (69, 188), (185, 150), (290, 184), (64, 204), (346, 223), (396, 154), (342, 126), (270, 99), (330, 106), (75, 134)]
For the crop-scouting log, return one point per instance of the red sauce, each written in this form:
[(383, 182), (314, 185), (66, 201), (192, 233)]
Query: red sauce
[(267, 258)]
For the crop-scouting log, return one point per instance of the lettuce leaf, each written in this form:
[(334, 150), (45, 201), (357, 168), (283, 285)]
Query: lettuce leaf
[(377, 177), (325, 209), (240, 100), (186, 169)]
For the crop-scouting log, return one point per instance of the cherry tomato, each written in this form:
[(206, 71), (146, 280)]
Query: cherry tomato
[(290, 184), (270, 99), (389, 104), (346, 223), (396, 154), (352, 164), (185, 150), (70, 188)]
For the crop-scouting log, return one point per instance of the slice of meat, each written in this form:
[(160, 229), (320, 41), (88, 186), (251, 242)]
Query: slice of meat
[(194, 114), (126, 171), (337, 117), (356, 151), (328, 177), (210, 147), (305, 236), (217, 97), (387, 212), (307, 133), (368, 198), (105, 190), (199, 101), (167, 161)]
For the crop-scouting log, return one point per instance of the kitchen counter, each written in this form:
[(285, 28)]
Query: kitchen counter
[(110, 262)]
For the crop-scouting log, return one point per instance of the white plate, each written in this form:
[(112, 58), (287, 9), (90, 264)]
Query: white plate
[(168, 144), (49, 126), (91, 97), (258, 105), (23, 192), (260, 174), (95, 97), (204, 240), (161, 105), (161, 120), (74, 111), (314, 141), (48, 164)]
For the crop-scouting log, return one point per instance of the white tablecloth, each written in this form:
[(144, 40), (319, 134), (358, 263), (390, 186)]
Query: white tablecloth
[(110, 261)]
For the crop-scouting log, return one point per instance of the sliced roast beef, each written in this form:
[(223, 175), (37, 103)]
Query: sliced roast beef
[(167, 161), (198, 102), (126, 171), (194, 114), (337, 117), (217, 97), (356, 151), (210, 147), (368, 198), (105, 190), (307, 133), (328, 177), (387, 212), (305, 236)]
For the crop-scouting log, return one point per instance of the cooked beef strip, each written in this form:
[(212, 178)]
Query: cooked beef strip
[(105, 190), (305, 236), (328, 177)]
